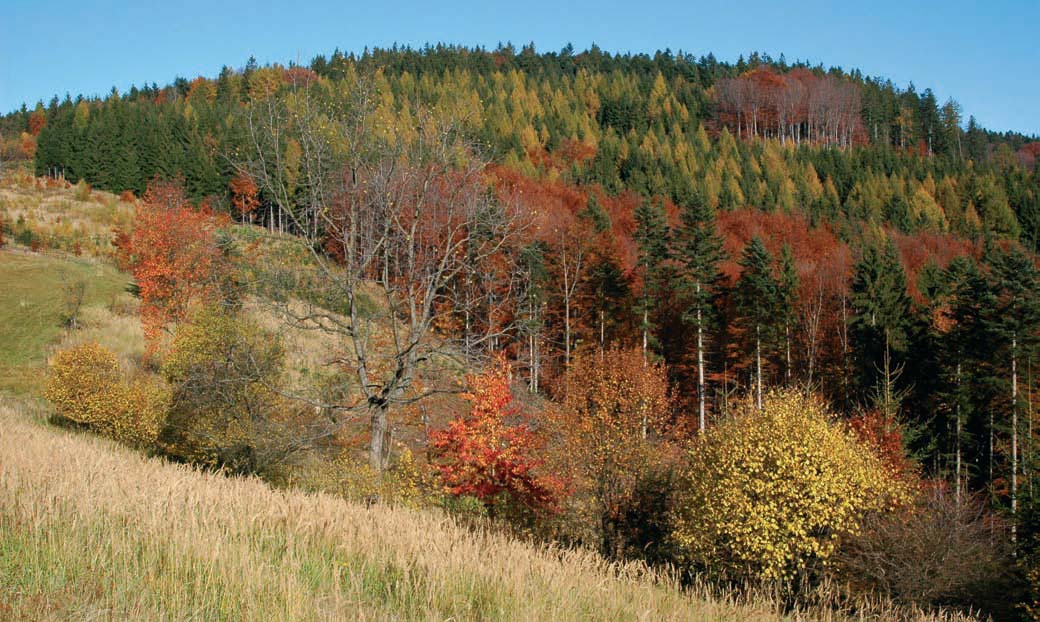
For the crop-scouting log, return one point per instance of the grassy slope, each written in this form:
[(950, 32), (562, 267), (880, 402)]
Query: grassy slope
[(95, 530), (32, 299)]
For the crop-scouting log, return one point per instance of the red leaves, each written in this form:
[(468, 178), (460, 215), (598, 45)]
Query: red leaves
[(172, 253), (916, 250), (481, 455), (37, 121), (885, 436), (299, 76), (243, 194), (761, 102)]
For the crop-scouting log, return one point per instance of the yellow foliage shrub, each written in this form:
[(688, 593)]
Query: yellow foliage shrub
[(146, 400), (85, 385), (227, 411), (82, 382), (769, 491)]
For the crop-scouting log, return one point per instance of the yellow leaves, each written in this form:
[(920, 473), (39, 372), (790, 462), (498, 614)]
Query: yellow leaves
[(222, 366), (86, 387), (769, 490)]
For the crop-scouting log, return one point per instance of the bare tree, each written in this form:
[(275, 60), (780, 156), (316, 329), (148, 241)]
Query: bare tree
[(391, 221)]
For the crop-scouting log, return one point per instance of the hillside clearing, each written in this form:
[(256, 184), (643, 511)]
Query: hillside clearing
[(35, 289)]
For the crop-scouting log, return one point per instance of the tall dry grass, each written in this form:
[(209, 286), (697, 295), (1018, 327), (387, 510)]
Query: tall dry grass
[(90, 530), (64, 217)]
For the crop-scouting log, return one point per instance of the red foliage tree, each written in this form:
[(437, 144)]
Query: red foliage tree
[(243, 195), (37, 121), (173, 255), (885, 436), (482, 455), (299, 76), (797, 106)]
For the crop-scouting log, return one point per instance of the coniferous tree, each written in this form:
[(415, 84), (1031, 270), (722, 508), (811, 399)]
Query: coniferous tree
[(882, 322), (605, 280), (968, 297), (697, 247), (1016, 287), (973, 337), (651, 238), (757, 298)]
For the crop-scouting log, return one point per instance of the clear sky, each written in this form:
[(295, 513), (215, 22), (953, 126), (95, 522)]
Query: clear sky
[(984, 54)]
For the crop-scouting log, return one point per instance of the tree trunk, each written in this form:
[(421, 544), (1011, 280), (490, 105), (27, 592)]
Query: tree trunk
[(566, 328), (376, 448), (787, 344), (1027, 458), (1014, 437), (700, 373), (958, 435), (758, 365), (991, 444), (602, 334), (646, 337)]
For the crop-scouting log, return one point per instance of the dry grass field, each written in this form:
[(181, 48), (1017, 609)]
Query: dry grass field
[(90, 530)]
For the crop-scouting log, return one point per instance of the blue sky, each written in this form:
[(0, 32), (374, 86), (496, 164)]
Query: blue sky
[(984, 54)]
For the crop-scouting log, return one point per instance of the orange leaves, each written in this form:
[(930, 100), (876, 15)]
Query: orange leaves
[(28, 145), (884, 435), (243, 194), (37, 121), (619, 397), (481, 455), (613, 410), (202, 89), (173, 255)]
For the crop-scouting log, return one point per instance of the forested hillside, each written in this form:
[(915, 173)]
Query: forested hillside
[(659, 249)]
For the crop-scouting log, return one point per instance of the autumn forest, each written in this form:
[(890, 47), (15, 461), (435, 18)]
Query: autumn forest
[(759, 323)]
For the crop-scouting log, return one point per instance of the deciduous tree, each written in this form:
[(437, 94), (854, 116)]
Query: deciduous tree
[(489, 453)]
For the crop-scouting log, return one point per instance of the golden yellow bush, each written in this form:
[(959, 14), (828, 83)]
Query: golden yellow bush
[(768, 491), (146, 400), (86, 386), (81, 383)]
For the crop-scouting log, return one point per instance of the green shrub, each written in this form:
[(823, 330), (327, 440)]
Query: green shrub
[(224, 370)]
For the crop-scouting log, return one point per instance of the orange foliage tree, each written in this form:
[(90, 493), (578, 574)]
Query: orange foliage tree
[(608, 432), (37, 121), (172, 253), (243, 195), (28, 145), (483, 455)]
